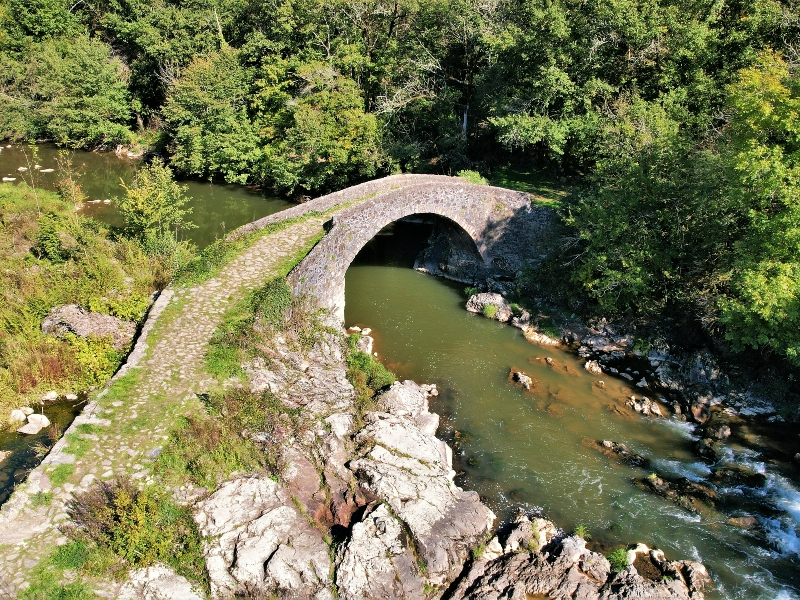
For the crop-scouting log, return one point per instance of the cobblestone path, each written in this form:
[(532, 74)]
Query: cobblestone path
[(121, 432)]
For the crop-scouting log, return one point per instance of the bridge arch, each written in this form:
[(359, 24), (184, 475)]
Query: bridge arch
[(494, 218)]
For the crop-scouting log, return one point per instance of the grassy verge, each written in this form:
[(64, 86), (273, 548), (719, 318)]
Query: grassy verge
[(116, 526), (545, 188), (50, 256)]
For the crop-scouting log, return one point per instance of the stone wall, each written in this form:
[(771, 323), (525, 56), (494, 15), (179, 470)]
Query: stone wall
[(508, 233)]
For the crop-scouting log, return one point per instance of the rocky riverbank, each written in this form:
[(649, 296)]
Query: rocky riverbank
[(366, 508)]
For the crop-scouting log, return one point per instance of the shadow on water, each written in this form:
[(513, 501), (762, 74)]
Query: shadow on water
[(533, 450)]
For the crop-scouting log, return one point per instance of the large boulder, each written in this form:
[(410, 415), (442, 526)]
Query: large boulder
[(539, 562), (257, 542), (406, 467), (478, 302), (71, 318)]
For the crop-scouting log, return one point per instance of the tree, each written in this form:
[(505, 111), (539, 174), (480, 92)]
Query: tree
[(154, 208)]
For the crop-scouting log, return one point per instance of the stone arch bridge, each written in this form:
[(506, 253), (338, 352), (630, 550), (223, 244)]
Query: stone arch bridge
[(483, 233)]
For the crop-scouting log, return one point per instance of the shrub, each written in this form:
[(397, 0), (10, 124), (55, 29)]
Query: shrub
[(582, 531), (470, 291), (473, 177), (618, 559), (141, 527), (490, 311), (516, 309)]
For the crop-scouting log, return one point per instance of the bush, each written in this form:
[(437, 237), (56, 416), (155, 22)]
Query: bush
[(516, 309), (142, 527), (618, 559), (367, 375), (473, 177), (470, 291), (490, 311)]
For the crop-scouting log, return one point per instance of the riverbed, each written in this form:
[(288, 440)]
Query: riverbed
[(530, 450)]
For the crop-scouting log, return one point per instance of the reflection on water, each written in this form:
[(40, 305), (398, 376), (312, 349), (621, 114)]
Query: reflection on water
[(22, 457), (216, 208), (527, 448)]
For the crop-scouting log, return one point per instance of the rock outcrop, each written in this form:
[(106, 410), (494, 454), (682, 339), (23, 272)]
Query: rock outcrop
[(478, 302), (410, 470), (71, 318), (158, 582), (257, 541), (539, 561)]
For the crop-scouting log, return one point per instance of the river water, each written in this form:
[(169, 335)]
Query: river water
[(528, 449), (517, 448), (216, 208)]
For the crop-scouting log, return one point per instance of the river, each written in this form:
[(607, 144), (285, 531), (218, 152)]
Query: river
[(216, 208), (516, 448), (527, 449)]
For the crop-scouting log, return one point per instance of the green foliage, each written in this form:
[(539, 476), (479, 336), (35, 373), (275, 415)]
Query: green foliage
[(154, 208), (41, 499), (618, 559), (582, 531), (46, 577), (490, 311), (60, 474), (470, 291), (72, 260), (69, 90), (706, 231), (207, 447), (473, 177), (254, 320), (516, 309), (298, 127), (140, 526), (367, 374)]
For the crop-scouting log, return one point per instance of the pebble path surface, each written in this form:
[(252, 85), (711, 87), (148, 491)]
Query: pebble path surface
[(123, 436)]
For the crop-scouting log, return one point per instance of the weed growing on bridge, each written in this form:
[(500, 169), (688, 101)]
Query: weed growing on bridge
[(236, 431)]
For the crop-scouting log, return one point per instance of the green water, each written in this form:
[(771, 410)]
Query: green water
[(21, 457), (216, 208), (526, 449)]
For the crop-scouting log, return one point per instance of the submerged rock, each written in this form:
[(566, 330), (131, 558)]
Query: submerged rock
[(618, 451)]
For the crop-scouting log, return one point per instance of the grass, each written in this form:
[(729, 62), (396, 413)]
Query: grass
[(548, 327), (582, 531), (60, 474), (618, 559), (368, 376), (490, 311), (41, 499), (545, 188), (50, 256), (47, 578)]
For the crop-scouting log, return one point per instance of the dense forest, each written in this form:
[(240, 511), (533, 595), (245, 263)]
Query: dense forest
[(680, 119)]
